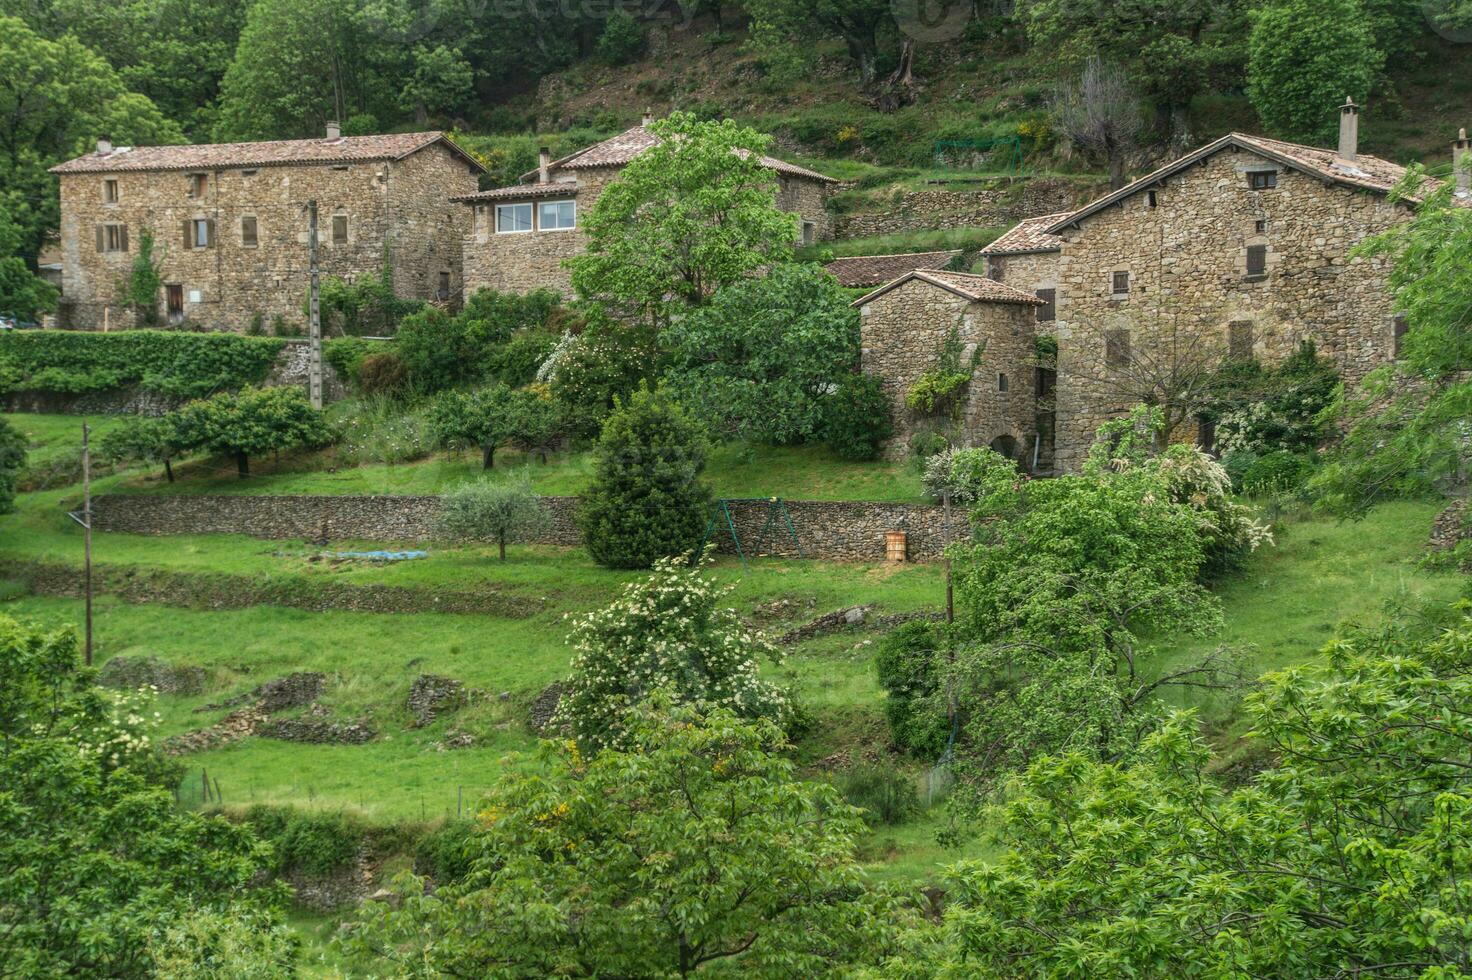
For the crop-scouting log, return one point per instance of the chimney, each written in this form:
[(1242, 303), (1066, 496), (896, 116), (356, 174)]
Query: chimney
[(334, 131), (104, 145), (1349, 129), (544, 165), (1462, 163), (648, 117)]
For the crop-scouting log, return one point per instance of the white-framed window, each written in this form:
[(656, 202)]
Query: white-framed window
[(557, 215), (513, 218)]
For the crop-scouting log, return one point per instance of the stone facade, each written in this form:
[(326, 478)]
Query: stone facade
[(902, 332), (842, 530), (1189, 284), (371, 212)]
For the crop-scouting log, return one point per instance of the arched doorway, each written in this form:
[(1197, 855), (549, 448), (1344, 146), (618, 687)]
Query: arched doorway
[(1006, 445)]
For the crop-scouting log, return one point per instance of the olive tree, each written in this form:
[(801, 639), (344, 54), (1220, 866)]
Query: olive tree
[(486, 510)]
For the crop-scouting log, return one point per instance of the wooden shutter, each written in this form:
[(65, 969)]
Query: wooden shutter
[(123, 238), (1257, 260), (1117, 348), (1049, 310), (209, 231), (101, 238), (1121, 282), (188, 233)]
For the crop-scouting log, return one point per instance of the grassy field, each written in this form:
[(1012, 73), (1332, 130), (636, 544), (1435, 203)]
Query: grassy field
[(734, 470)]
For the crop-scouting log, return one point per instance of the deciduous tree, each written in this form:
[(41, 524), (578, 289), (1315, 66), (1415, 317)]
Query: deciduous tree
[(251, 422), (1304, 57)]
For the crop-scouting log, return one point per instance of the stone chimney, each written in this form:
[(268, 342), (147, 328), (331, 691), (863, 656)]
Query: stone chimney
[(1349, 130), (648, 117), (334, 131), (1462, 163), (544, 165), (104, 145)]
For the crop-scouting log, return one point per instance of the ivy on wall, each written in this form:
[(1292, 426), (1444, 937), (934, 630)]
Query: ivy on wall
[(176, 365)]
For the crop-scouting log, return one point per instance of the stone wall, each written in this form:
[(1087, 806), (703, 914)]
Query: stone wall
[(397, 211), (1004, 202), (901, 333), (1188, 283), (844, 530)]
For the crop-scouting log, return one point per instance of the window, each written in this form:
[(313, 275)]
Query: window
[(112, 238), (199, 232), (249, 173), (1121, 283), (248, 231), (110, 191), (340, 166), (1261, 226), (1001, 382), (556, 215), (443, 292), (994, 267), (1262, 180), (513, 217), (1239, 340), (1117, 348), (1257, 260), (1049, 310), (809, 233), (1151, 199), (198, 184), (339, 229), (1398, 328)]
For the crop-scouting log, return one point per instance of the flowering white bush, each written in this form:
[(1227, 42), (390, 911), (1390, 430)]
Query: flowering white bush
[(668, 631)]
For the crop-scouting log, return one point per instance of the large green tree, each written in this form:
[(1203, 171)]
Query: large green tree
[(761, 358), (1350, 854), (97, 862), (1304, 57), (691, 214), (23, 294), (251, 422), (56, 98), (1407, 428), (694, 845), (781, 32)]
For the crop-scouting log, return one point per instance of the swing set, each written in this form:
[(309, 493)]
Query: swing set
[(721, 522)]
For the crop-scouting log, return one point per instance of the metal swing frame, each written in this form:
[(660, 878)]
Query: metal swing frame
[(722, 521)]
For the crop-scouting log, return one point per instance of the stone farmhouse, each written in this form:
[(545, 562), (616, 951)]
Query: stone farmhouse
[(1238, 249), (229, 223), (518, 236)]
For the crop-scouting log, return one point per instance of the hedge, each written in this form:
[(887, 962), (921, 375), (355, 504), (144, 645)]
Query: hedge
[(173, 364)]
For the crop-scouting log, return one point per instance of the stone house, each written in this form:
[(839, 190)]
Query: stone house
[(1240, 249), (229, 224), (857, 271), (517, 237), (903, 328)]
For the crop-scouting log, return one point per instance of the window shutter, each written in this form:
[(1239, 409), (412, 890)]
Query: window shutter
[(209, 230), (1257, 260), (188, 233), (1121, 282), (123, 237), (1049, 310), (101, 241)]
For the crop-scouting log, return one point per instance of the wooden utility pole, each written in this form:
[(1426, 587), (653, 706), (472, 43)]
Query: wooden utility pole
[(314, 309), (85, 519)]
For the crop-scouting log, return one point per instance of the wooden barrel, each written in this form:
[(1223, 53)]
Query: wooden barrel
[(895, 547)]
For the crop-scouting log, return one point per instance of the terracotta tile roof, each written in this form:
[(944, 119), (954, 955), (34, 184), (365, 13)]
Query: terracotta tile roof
[(1028, 235), (275, 153), (1365, 172), (557, 188), (617, 151), (973, 287), (875, 270)]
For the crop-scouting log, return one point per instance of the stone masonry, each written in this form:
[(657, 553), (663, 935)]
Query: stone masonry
[(229, 224)]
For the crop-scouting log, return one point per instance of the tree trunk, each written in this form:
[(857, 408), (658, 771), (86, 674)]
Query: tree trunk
[(501, 541), (1117, 178), (168, 471), (242, 464), (487, 457)]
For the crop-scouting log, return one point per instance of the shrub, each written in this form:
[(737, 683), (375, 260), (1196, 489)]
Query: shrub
[(670, 632), (169, 363), (936, 392), (622, 40), (318, 843), (1237, 462), (446, 855), (969, 475), (907, 670), (646, 500), (537, 420), (515, 362), (856, 418), (492, 317), (346, 355), (492, 511), (12, 461), (885, 794), (382, 430), (434, 350), (255, 421), (383, 373), (365, 308), (590, 373), (1277, 472)]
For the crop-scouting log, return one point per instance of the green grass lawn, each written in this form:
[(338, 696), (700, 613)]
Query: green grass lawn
[(930, 240), (734, 470)]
